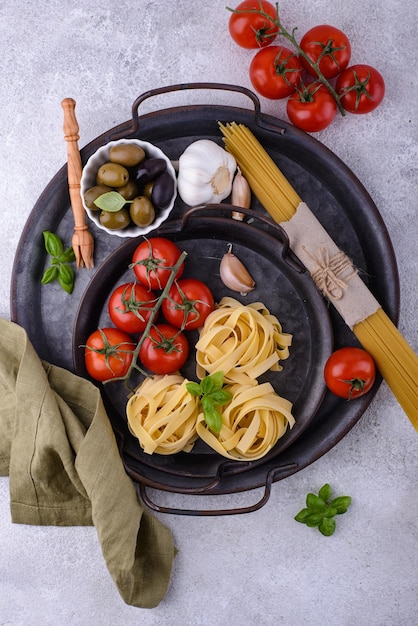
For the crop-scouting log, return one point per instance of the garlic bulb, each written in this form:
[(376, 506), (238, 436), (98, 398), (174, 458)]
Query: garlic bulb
[(206, 172), (234, 274)]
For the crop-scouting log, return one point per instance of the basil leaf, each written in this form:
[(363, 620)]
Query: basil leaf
[(327, 527), (314, 519), (207, 385), (221, 397), (213, 419), (66, 278), (50, 274), (330, 512), (302, 515), (315, 502), (193, 389), (207, 403), (53, 244), (325, 492), (112, 201), (212, 383), (67, 256), (341, 504)]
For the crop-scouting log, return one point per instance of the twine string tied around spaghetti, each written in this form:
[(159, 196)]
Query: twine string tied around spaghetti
[(330, 275)]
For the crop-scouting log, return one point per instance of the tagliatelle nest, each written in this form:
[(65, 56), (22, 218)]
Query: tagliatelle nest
[(252, 422), (163, 415), (242, 341)]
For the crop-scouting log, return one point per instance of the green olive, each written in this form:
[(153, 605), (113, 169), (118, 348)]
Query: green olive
[(112, 175), (142, 212), (129, 191), (148, 189), (115, 221), (93, 193), (127, 154)]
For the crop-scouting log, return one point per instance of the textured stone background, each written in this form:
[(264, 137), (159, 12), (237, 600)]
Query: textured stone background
[(260, 568)]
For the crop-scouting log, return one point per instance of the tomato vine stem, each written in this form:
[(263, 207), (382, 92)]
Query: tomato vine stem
[(290, 36), (154, 312)]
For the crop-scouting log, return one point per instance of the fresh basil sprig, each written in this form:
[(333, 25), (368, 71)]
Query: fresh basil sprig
[(320, 510), (60, 263), (211, 394)]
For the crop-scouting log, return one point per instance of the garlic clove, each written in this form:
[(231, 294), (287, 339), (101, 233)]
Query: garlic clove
[(234, 274), (241, 195)]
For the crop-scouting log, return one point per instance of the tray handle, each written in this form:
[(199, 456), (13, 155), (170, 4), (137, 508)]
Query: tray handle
[(270, 478), (287, 255), (184, 86)]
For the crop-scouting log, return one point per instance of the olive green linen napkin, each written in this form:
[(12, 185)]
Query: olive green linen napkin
[(64, 467)]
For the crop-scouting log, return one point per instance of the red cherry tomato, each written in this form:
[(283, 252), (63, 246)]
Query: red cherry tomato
[(188, 304), (275, 71), (130, 307), (328, 45), (249, 29), (361, 88), (350, 372), (152, 261), (312, 109), (164, 350), (108, 353)]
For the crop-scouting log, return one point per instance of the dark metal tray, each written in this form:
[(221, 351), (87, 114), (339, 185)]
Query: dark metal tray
[(332, 192)]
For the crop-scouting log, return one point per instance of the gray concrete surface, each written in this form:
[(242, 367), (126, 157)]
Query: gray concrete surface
[(261, 568)]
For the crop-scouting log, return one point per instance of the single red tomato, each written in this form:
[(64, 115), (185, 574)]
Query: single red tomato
[(312, 108), (164, 350), (130, 307), (350, 372), (188, 304), (275, 72), (108, 353), (153, 261), (361, 88), (249, 29), (327, 45)]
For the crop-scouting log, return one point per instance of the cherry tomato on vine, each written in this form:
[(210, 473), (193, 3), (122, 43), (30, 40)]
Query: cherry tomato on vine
[(188, 304), (251, 30), (108, 353), (328, 45), (275, 72), (350, 372), (312, 108), (361, 88), (164, 350), (152, 262), (130, 307)]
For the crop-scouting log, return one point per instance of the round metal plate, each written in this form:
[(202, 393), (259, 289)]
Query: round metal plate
[(282, 287)]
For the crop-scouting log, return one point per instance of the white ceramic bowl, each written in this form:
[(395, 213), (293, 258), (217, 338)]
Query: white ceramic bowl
[(88, 180)]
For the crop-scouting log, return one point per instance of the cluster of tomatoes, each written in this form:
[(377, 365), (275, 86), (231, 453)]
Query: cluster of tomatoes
[(277, 72), (164, 349)]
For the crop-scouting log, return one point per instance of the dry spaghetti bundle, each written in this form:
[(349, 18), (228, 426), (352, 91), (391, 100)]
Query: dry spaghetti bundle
[(163, 415), (242, 341), (252, 422), (332, 271)]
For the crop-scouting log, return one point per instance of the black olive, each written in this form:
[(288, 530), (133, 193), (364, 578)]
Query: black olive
[(155, 167), (162, 191), (140, 175), (148, 170)]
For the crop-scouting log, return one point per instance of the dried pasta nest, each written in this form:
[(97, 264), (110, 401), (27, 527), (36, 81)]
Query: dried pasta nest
[(252, 423), (242, 341), (163, 415)]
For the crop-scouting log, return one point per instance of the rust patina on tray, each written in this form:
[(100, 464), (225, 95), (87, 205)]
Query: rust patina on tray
[(53, 319)]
